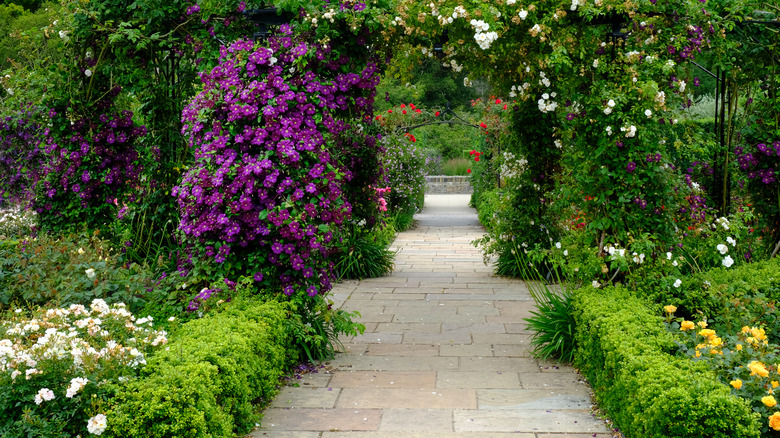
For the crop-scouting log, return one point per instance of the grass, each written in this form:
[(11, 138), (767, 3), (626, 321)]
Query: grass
[(456, 167)]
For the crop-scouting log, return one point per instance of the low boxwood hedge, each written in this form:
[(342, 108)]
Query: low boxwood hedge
[(627, 355), (207, 380)]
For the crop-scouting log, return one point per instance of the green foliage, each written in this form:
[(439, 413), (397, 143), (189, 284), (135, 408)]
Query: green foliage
[(72, 269), (405, 171), (206, 382), (316, 329), (456, 167), (553, 321), (401, 220), (625, 353), (363, 254)]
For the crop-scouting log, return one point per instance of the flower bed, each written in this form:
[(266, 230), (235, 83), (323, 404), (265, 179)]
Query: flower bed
[(78, 371), (627, 356)]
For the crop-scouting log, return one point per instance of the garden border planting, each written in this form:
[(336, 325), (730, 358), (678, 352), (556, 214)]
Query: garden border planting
[(207, 380), (626, 354)]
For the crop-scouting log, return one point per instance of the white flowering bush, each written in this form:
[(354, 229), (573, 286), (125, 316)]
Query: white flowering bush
[(59, 367), (405, 171)]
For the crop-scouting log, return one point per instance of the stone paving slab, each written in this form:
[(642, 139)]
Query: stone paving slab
[(446, 353)]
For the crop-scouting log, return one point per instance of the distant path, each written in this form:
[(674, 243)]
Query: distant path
[(445, 353)]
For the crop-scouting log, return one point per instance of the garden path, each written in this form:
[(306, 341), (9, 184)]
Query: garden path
[(445, 353)]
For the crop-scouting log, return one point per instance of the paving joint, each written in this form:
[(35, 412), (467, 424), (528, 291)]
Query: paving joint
[(445, 353)]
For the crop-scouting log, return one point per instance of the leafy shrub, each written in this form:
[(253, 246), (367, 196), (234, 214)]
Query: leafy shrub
[(72, 269), (205, 383), (316, 329), (263, 199), (626, 355), (92, 162), (60, 367), (401, 220), (405, 171), (362, 254), (21, 155)]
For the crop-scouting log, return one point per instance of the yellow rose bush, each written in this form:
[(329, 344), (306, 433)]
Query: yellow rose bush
[(745, 360)]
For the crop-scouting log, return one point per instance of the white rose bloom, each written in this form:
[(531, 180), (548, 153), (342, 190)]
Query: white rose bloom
[(607, 110), (595, 63), (723, 249), (731, 241), (90, 273), (97, 424), (677, 283), (87, 72), (596, 284), (558, 245), (648, 113), (728, 261), (611, 103), (523, 13)]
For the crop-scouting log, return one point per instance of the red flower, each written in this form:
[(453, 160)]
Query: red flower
[(411, 105), (403, 112), (403, 106), (504, 106), (483, 125), (498, 101), (476, 158), (468, 170), (436, 114), (378, 117), (418, 110), (389, 111), (411, 137), (472, 152)]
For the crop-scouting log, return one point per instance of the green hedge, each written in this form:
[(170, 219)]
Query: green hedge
[(626, 353), (206, 382)]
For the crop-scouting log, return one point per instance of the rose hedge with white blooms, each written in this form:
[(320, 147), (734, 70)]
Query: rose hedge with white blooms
[(59, 367), (613, 112)]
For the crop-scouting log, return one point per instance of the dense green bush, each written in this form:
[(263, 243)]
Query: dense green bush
[(626, 354), (206, 382), (71, 269), (405, 171)]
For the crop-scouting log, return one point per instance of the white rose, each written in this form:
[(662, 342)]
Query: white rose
[(677, 283)]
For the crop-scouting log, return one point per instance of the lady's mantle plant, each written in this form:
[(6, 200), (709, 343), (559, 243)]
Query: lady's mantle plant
[(58, 367)]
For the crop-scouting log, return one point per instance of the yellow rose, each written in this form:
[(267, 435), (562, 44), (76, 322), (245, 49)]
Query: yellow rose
[(737, 384), (775, 383), (687, 325), (716, 341), (774, 421), (739, 347), (769, 401), (745, 329), (670, 309), (757, 368), (703, 324), (707, 333)]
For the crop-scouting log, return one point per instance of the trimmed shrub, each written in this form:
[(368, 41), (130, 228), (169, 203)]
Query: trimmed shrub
[(626, 354), (206, 382)]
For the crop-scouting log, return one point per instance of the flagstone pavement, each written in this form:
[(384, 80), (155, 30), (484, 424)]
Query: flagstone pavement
[(445, 353)]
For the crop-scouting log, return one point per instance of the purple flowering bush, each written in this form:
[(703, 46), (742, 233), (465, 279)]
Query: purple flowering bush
[(92, 162), (266, 191), (20, 156), (758, 164)]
